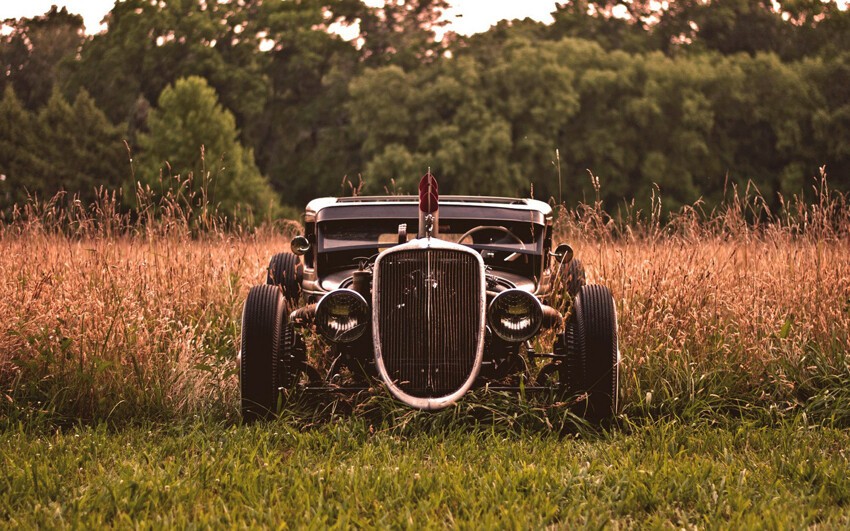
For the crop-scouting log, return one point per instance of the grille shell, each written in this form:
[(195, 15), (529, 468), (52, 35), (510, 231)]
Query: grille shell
[(428, 305)]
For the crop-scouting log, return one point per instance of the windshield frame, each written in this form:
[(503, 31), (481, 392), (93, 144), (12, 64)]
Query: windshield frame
[(449, 228)]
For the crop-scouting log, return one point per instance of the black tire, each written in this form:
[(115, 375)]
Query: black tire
[(573, 277), (260, 377), (285, 270), (592, 354)]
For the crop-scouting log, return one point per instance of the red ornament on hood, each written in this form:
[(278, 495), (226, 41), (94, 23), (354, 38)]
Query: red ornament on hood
[(429, 194)]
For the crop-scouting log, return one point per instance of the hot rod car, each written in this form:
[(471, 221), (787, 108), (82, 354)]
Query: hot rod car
[(431, 297)]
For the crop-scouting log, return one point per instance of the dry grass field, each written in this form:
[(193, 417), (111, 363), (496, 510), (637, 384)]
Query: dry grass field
[(120, 332), (110, 318)]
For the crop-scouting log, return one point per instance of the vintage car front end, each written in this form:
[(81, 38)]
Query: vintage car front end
[(431, 317)]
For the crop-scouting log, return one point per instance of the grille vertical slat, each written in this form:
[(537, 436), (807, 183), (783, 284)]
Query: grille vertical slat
[(430, 319)]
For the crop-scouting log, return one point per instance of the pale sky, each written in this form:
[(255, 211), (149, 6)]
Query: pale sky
[(477, 15)]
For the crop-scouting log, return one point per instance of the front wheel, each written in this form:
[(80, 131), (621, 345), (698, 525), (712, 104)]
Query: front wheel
[(261, 369), (591, 367)]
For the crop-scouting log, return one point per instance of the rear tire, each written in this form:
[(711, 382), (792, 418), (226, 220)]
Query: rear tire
[(590, 344), (285, 270), (264, 317), (573, 277)]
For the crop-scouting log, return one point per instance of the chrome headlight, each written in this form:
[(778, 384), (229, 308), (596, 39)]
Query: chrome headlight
[(515, 315), (342, 316)]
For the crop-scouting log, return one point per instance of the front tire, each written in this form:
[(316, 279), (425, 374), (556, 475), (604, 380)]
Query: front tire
[(590, 344), (264, 317)]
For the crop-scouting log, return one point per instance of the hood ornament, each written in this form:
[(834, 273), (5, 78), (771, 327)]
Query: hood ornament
[(429, 206)]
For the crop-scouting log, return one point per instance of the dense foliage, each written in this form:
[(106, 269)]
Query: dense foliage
[(688, 97)]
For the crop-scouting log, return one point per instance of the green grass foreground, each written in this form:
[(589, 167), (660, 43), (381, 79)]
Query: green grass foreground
[(343, 474)]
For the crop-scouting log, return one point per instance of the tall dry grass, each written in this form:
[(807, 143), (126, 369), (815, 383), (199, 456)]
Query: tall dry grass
[(121, 316), (735, 309), (114, 314)]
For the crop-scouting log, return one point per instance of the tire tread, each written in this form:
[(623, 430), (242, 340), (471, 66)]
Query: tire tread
[(592, 353), (262, 321)]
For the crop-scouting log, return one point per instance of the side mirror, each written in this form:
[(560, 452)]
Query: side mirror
[(563, 253), (299, 245)]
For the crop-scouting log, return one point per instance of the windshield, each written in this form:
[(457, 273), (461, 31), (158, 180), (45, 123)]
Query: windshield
[(497, 235)]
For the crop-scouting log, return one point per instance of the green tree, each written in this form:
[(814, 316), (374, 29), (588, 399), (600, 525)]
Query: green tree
[(733, 26), (149, 45), (490, 121), (99, 151), (433, 118), (83, 149), (403, 33), (302, 140), (22, 170), (35, 50), (824, 28), (764, 109), (483, 128), (595, 21), (190, 133), (830, 81)]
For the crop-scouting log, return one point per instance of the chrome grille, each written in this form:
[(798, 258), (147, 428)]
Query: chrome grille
[(430, 319)]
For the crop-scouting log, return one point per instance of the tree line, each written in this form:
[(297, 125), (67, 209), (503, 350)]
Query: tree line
[(266, 104)]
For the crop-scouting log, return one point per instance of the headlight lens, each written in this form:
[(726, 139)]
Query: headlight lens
[(342, 316), (515, 315)]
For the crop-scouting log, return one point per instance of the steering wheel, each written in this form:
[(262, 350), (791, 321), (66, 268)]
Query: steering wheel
[(504, 230)]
